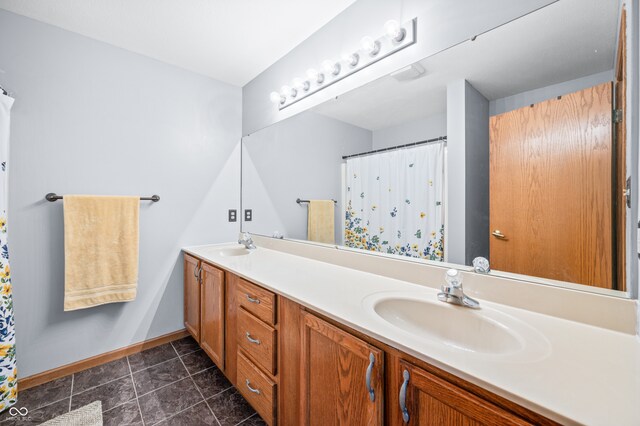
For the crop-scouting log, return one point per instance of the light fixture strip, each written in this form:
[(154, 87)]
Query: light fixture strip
[(386, 47)]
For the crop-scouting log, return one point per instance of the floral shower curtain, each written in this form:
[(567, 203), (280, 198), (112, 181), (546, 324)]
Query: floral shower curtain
[(8, 372), (394, 202)]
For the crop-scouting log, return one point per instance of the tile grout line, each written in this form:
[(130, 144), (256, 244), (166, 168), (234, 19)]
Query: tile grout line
[(247, 419), (179, 412), (130, 369), (128, 374), (101, 384), (197, 388), (71, 394), (135, 391), (163, 386), (120, 405)]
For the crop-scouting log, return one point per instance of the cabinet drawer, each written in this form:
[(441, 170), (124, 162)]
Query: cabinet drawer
[(257, 388), (258, 301), (258, 340)]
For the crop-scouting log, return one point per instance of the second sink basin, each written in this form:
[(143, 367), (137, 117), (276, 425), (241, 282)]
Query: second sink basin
[(483, 331), (234, 251)]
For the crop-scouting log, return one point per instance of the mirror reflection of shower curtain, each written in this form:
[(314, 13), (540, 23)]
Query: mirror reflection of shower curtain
[(8, 372), (394, 202)]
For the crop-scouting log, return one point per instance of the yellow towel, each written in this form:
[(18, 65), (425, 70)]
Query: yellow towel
[(100, 250), (320, 226)]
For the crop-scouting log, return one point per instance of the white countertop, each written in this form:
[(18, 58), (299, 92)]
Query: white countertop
[(576, 374)]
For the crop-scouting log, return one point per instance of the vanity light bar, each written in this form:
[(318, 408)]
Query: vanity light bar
[(396, 38)]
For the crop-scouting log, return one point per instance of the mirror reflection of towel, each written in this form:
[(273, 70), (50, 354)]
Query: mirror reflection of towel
[(321, 226)]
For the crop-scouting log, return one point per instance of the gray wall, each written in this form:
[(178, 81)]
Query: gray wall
[(541, 94), (467, 170), (91, 118), (441, 24), (422, 129), (296, 158)]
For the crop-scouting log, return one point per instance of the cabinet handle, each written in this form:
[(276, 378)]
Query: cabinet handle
[(200, 275), (252, 340), (252, 300), (403, 397), (256, 391), (195, 271), (372, 394)]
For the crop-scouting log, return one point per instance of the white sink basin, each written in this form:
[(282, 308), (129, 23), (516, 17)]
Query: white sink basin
[(234, 251), (484, 331)]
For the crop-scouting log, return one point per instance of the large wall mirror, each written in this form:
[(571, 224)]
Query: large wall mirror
[(512, 146)]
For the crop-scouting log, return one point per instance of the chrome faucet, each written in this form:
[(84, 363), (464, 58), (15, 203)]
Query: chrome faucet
[(452, 291), (245, 238)]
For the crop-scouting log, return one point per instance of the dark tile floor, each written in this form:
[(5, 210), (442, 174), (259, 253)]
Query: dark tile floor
[(172, 384)]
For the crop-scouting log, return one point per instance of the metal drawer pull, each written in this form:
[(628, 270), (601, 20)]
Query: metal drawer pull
[(252, 300), (195, 271), (200, 275), (256, 391), (372, 394), (252, 340), (403, 397)]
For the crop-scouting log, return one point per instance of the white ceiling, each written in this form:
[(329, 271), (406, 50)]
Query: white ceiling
[(564, 41), (229, 40)]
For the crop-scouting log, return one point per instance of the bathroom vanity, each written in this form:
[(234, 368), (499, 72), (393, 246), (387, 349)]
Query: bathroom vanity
[(310, 342)]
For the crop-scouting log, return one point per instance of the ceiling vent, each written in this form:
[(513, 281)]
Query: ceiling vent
[(411, 72)]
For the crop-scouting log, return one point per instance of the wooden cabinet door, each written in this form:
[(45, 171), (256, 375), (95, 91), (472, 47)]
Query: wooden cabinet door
[(430, 400), (212, 313), (335, 367), (192, 296)]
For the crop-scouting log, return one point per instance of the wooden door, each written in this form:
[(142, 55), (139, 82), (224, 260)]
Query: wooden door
[(620, 155), (334, 370), (212, 313), (429, 400), (192, 296), (550, 189)]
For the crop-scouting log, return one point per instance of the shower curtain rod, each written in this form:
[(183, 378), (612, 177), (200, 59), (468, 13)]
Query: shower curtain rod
[(440, 139)]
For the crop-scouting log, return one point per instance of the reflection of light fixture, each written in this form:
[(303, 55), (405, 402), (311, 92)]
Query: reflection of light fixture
[(314, 75), (351, 59), (331, 67), (288, 92), (301, 85), (277, 98), (396, 37), (371, 46), (395, 31)]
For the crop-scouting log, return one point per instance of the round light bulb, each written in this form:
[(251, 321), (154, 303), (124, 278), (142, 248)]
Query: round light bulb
[(314, 75), (275, 97), (371, 46), (288, 92), (301, 84), (331, 67), (394, 30), (351, 59)]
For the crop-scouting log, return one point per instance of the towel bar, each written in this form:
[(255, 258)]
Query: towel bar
[(52, 196), (299, 201)]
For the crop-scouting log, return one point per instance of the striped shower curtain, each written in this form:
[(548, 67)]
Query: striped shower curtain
[(8, 372)]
